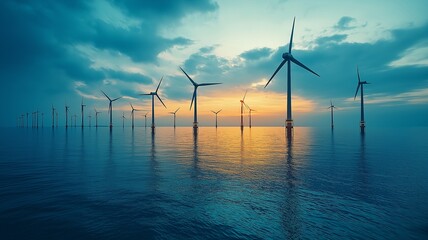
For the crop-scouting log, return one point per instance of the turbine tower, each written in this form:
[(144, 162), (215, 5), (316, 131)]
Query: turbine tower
[(66, 116), (288, 58), (216, 116), (90, 120), (132, 114), (96, 117), (82, 106), (174, 114), (194, 98), (331, 113), (145, 119), (242, 109), (153, 94), (110, 108), (361, 83)]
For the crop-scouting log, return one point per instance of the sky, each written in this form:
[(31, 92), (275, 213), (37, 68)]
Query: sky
[(56, 53)]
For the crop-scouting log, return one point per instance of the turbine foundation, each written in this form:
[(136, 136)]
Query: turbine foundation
[(362, 126)]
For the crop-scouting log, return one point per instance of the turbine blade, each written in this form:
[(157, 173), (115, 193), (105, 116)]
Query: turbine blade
[(356, 92), (159, 85), (161, 100), (358, 74), (193, 98), (303, 66), (247, 106), (191, 80), (291, 38), (219, 110), (105, 95), (213, 112), (116, 99), (131, 106), (176, 110), (243, 99), (277, 69), (145, 94), (208, 84)]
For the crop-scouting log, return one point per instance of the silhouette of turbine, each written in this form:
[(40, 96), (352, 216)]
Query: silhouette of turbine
[(66, 115), (288, 58), (53, 116), (123, 120), (242, 109), (249, 116), (216, 116), (145, 119), (360, 83), (153, 94), (331, 111), (132, 114), (174, 114), (194, 98), (110, 108), (82, 106), (96, 117)]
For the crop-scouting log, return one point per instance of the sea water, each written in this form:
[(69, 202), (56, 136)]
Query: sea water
[(222, 183)]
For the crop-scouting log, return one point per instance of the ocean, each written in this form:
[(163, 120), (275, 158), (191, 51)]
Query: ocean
[(214, 183)]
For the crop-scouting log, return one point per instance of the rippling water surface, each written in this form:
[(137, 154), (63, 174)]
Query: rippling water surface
[(214, 184)]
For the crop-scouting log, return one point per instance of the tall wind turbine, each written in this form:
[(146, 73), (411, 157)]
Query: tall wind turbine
[(90, 120), (360, 83), (174, 114), (216, 116), (242, 109), (194, 98), (132, 114), (82, 106), (110, 108), (96, 117), (153, 94), (331, 113), (66, 115), (288, 58)]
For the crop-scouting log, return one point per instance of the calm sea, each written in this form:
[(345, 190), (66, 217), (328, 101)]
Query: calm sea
[(214, 184)]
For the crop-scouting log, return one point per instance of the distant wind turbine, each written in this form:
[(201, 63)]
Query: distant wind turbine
[(216, 116), (43, 118), (145, 119), (242, 109), (360, 83), (250, 110), (288, 58), (153, 94), (53, 116), (194, 98), (96, 117), (82, 106), (332, 107), (90, 120), (66, 115), (132, 114), (110, 107), (123, 120), (174, 114), (56, 116)]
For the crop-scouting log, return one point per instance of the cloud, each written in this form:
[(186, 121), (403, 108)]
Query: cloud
[(345, 23), (256, 54)]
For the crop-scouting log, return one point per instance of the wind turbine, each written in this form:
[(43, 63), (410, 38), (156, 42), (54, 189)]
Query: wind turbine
[(174, 114), (132, 114), (242, 109), (360, 83), (43, 120), (153, 94), (110, 108), (288, 58), (194, 98), (56, 116), (145, 119), (123, 120), (250, 110), (66, 115), (96, 117), (53, 116), (331, 111), (82, 106), (216, 116), (90, 120)]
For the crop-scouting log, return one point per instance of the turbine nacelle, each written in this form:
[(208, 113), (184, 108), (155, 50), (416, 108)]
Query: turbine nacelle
[(287, 56)]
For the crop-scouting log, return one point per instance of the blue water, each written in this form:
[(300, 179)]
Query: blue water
[(216, 184)]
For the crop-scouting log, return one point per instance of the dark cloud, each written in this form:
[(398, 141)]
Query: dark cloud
[(345, 23), (256, 54)]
